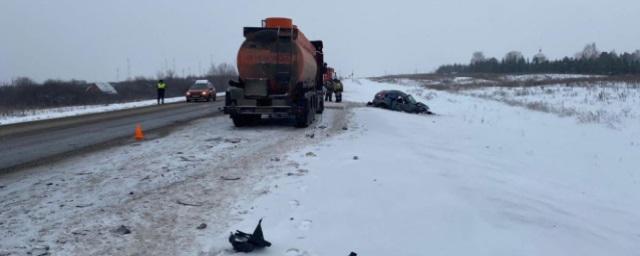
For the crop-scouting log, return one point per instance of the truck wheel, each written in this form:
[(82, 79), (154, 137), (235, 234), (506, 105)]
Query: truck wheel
[(302, 119), (245, 120), (252, 119), (227, 100), (239, 120), (312, 113), (320, 106)]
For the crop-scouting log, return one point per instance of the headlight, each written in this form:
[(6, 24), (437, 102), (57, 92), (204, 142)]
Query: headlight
[(204, 93), (188, 93)]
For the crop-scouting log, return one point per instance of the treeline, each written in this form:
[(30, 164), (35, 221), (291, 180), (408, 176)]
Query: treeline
[(589, 61), (24, 93)]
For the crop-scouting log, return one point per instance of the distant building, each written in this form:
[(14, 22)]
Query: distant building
[(539, 58), (102, 87)]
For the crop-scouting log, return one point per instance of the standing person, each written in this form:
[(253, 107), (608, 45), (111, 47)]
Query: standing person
[(161, 87), (337, 87), (329, 94)]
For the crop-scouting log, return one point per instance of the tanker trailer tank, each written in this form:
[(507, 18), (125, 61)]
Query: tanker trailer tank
[(279, 71)]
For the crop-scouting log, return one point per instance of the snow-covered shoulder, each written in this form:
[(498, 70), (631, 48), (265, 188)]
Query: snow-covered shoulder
[(486, 178)]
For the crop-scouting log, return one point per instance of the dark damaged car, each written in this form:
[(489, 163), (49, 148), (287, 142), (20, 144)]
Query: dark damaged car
[(399, 101)]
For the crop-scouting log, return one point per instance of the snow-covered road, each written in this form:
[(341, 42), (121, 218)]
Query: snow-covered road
[(480, 178), (161, 189)]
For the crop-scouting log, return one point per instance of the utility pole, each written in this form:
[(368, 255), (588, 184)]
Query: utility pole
[(117, 74)]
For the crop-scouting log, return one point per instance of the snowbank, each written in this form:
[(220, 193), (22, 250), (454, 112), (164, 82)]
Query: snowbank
[(51, 113)]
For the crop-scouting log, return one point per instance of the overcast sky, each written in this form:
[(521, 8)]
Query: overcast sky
[(92, 40)]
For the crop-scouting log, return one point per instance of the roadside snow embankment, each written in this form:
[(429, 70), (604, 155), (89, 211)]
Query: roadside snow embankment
[(480, 178), (52, 113)]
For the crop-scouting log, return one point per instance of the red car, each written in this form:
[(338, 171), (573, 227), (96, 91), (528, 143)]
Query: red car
[(201, 90)]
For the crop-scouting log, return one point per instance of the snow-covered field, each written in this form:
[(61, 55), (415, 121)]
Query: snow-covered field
[(461, 80), (612, 104), (444, 80), (51, 113), (544, 77), (479, 178)]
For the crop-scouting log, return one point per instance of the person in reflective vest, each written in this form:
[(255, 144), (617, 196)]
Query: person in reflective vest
[(328, 85), (161, 87), (337, 88)]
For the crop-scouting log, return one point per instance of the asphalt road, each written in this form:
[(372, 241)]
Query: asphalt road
[(37, 142)]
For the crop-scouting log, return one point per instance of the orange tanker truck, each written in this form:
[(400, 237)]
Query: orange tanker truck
[(280, 75)]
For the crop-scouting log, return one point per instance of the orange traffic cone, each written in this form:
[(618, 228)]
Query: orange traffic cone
[(139, 135)]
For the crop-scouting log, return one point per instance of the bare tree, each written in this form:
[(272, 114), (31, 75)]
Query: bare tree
[(513, 56), (636, 55), (160, 75), (222, 69), (22, 81), (170, 73), (589, 52), (166, 74), (477, 57)]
